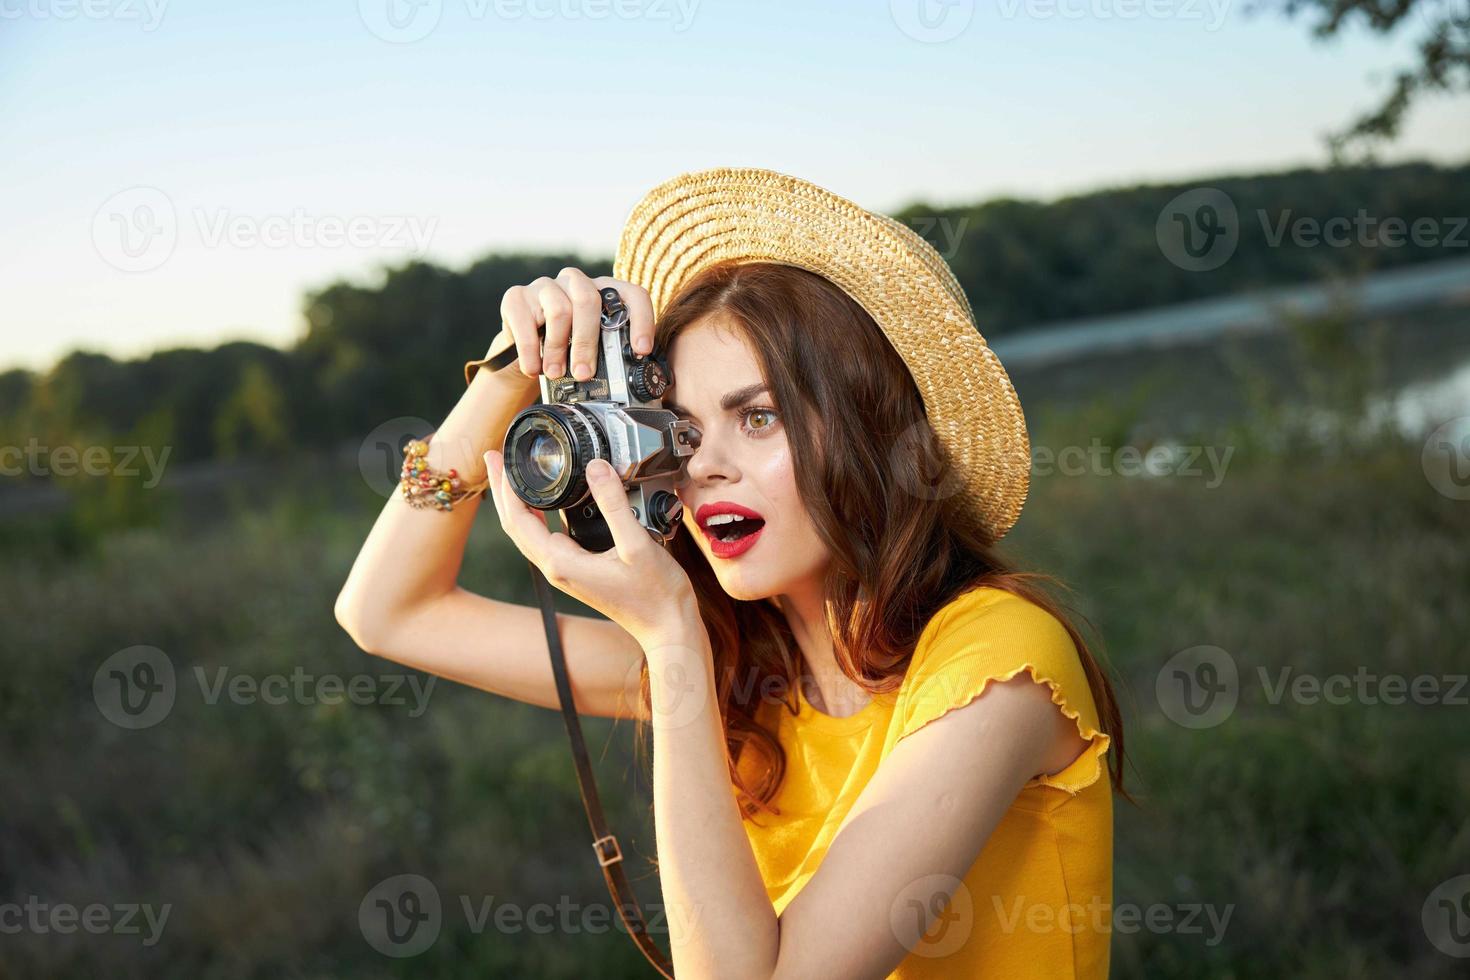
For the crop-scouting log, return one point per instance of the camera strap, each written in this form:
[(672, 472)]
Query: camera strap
[(604, 844)]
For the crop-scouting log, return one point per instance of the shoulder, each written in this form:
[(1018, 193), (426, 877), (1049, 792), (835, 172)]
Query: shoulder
[(991, 625), (985, 637)]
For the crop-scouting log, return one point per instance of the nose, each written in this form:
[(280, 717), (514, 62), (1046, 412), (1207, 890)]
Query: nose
[(711, 461)]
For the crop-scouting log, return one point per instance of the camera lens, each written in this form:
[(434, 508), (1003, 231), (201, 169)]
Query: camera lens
[(545, 458), (547, 449)]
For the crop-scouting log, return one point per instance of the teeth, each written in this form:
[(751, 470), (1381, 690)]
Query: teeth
[(723, 519)]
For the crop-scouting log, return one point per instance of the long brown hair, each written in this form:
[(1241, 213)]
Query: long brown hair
[(860, 444)]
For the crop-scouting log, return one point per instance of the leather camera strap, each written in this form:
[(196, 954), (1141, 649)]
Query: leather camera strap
[(604, 844)]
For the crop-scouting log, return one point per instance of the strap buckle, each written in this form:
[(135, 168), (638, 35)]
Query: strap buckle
[(603, 859)]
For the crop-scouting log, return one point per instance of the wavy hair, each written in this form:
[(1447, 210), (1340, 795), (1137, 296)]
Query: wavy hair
[(861, 447)]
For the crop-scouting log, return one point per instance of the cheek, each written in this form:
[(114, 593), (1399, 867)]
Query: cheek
[(776, 476)]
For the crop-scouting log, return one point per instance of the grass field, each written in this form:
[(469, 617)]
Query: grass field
[(1322, 828)]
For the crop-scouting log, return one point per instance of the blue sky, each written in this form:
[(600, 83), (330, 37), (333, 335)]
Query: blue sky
[(281, 145)]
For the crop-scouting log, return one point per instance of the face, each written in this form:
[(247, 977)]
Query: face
[(743, 460)]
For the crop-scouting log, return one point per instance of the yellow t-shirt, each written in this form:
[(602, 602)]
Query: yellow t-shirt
[(1038, 900)]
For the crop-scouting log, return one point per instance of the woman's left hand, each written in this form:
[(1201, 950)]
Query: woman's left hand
[(636, 583)]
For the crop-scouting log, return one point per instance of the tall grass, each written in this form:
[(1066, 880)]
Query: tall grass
[(1322, 827)]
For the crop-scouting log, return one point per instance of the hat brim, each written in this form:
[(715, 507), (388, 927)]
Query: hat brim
[(699, 219)]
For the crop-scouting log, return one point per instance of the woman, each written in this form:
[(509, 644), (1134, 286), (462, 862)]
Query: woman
[(877, 750)]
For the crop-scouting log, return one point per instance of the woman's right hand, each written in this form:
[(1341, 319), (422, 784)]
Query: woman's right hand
[(571, 308)]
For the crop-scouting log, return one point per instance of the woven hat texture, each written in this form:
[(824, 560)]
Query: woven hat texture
[(698, 219)]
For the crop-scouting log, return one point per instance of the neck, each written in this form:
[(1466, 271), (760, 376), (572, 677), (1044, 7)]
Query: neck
[(826, 687)]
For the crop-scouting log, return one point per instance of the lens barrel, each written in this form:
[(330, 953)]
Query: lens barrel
[(547, 449)]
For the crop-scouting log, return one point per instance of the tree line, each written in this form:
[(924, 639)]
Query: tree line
[(371, 352)]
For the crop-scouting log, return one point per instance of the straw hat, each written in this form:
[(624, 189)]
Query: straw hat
[(697, 219)]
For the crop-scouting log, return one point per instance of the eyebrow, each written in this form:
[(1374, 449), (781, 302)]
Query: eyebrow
[(727, 401)]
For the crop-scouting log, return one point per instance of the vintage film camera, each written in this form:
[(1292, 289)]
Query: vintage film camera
[(614, 415)]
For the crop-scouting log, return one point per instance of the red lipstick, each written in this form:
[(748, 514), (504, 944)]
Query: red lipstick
[(727, 536)]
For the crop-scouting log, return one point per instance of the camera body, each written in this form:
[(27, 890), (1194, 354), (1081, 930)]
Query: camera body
[(616, 415)]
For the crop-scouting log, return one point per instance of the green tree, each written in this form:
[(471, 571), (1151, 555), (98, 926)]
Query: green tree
[(254, 418)]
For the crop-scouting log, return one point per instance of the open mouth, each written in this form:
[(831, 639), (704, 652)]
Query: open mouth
[(729, 528), (732, 529)]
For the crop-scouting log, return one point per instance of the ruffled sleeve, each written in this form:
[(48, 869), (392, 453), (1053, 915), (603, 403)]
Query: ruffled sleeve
[(988, 634)]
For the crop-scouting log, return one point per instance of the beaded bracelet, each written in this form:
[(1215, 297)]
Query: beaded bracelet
[(425, 487)]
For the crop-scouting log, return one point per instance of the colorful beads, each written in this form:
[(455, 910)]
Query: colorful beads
[(422, 487)]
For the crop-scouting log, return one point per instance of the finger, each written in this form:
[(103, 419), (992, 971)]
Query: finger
[(556, 311), (492, 463), (586, 320), (524, 525), (640, 311), (629, 537), (522, 319)]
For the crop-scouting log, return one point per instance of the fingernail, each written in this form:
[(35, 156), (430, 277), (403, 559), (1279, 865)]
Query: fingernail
[(644, 345), (579, 369), (599, 469)]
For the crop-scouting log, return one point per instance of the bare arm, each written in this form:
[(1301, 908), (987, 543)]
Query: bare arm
[(955, 777), (402, 600)]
